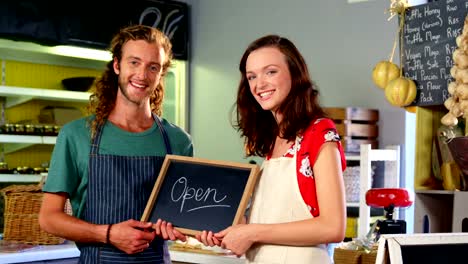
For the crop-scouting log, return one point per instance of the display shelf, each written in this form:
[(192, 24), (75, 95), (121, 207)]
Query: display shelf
[(20, 178), (54, 55), (439, 211), (49, 140), (433, 192), (363, 160), (5, 138), (352, 156), (18, 142), (391, 179), (18, 95)]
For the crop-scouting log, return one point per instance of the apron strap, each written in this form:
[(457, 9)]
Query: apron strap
[(164, 134), (97, 137), (96, 140)]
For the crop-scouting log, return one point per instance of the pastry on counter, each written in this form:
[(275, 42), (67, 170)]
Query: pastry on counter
[(193, 245)]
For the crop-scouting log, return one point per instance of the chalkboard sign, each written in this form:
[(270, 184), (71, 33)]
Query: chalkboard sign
[(427, 248), (198, 194), (429, 40)]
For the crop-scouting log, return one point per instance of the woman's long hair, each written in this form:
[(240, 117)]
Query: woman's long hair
[(102, 101), (300, 107)]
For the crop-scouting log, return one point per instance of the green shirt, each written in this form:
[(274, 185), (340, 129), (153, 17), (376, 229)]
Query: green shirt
[(68, 171)]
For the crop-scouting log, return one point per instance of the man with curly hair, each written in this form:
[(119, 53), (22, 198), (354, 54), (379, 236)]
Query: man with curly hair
[(106, 164)]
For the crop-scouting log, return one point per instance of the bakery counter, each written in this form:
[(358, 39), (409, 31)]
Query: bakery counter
[(41, 254), (68, 253), (179, 257)]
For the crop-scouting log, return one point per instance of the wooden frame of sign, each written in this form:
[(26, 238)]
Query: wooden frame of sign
[(197, 194), (422, 248)]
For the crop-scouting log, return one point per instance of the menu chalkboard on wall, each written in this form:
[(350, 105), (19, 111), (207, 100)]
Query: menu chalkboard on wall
[(429, 40)]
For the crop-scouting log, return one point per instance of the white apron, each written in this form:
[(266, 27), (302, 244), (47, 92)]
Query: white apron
[(277, 199)]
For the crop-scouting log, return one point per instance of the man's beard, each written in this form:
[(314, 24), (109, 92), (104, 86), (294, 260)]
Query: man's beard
[(124, 90)]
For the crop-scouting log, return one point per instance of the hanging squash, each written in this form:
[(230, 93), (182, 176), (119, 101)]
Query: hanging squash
[(400, 91), (411, 109), (384, 72)]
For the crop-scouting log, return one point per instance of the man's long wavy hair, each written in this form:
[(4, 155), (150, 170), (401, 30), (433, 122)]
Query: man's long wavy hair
[(259, 127), (102, 101)]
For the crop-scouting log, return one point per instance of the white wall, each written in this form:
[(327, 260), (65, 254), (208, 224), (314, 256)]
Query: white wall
[(341, 43)]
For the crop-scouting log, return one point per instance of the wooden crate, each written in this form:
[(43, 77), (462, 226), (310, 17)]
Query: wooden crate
[(353, 145), (353, 113), (349, 129), (356, 126)]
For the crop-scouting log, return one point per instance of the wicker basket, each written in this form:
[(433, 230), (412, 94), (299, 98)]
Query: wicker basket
[(347, 256), (369, 258), (21, 216)]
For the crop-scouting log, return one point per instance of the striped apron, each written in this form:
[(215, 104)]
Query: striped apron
[(118, 190)]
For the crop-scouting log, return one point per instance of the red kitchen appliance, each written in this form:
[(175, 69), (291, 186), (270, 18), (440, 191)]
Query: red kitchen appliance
[(389, 199)]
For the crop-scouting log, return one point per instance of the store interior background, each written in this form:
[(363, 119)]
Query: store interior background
[(341, 40)]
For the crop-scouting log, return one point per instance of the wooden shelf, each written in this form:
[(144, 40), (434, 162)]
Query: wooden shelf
[(18, 95), (440, 211), (434, 192)]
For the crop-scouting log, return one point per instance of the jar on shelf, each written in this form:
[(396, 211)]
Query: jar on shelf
[(39, 170), (19, 129), (48, 130), (9, 128), (29, 129), (4, 168), (23, 170), (39, 129), (56, 129)]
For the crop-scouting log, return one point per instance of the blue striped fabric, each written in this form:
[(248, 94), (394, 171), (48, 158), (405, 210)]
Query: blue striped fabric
[(118, 190)]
